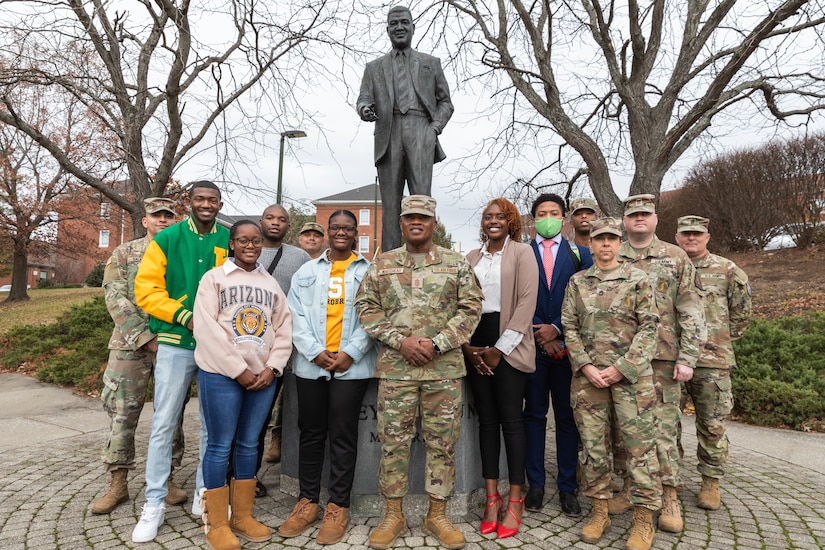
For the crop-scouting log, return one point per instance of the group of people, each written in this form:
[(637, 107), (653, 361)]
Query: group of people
[(608, 331)]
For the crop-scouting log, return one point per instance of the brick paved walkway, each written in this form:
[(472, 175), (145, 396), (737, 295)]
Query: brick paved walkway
[(46, 490)]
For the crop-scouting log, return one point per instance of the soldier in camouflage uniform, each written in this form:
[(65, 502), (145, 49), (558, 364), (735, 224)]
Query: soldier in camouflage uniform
[(609, 317), (726, 297), (421, 302), (681, 335), (131, 357)]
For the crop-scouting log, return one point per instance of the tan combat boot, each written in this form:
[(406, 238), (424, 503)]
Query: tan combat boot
[(599, 521), (118, 493), (273, 453), (670, 519), (303, 516), (174, 495), (642, 533), (710, 497), (392, 525), (620, 503), (333, 526), (215, 505), (242, 501), (437, 525)]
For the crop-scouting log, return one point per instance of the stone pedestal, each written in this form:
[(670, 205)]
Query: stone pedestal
[(366, 500)]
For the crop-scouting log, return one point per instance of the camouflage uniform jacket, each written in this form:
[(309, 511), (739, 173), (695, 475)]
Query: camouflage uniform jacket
[(437, 297), (726, 296), (682, 331), (610, 319), (131, 323)]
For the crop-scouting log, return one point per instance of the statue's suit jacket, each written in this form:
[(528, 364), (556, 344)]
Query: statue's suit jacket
[(430, 86)]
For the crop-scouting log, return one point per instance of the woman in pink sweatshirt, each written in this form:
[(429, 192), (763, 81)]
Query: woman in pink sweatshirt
[(243, 330)]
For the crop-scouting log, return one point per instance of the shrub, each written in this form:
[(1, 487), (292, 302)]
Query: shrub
[(95, 276), (72, 351), (780, 377)]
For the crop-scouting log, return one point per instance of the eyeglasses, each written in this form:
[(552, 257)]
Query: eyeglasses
[(243, 241), (345, 228)]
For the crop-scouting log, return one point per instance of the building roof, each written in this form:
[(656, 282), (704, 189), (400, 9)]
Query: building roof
[(361, 195), (228, 220)]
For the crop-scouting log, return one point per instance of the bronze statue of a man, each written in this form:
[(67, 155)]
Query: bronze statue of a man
[(405, 93)]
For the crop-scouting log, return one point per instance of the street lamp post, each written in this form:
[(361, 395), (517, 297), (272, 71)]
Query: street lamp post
[(291, 134)]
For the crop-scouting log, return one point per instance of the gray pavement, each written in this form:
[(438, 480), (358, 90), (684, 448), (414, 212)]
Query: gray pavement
[(50, 441)]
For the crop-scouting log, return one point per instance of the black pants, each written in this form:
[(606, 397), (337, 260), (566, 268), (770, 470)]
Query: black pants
[(328, 408), (498, 402)]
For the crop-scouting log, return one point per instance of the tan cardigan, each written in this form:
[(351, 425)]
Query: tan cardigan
[(519, 292)]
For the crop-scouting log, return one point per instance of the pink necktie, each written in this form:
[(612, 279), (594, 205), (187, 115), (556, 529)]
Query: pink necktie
[(548, 259)]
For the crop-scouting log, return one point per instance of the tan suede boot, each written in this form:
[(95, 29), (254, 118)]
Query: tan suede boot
[(670, 519), (242, 501), (620, 503), (334, 525), (437, 525), (118, 493), (710, 498), (175, 495), (303, 516), (642, 533), (273, 453), (599, 521), (215, 505), (393, 524)]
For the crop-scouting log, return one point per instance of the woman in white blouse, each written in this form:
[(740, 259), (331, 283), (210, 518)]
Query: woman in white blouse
[(501, 355)]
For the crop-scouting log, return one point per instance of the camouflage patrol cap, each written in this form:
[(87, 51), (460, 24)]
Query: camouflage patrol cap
[(640, 203), (158, 204), (584, 203), (312, 226), (696, 224), (606, 225), (418, 204)]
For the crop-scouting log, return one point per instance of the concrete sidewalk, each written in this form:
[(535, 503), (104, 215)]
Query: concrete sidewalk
[(50, 441)]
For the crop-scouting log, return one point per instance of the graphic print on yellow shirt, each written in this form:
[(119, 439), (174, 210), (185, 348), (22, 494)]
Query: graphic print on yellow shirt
[(335, 303)]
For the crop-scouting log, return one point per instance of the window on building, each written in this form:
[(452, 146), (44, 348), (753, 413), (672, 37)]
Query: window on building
[(103, 239), (105, 210), (364, 244), (364, 217)]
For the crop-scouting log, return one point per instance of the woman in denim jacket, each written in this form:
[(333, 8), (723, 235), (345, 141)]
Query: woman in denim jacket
[(333, 366)]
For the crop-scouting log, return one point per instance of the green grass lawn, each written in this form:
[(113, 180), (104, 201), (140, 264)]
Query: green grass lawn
[(44, 306)]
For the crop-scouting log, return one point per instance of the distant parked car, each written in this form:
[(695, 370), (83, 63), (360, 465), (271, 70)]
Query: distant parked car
[(7, 288), (787, 239)]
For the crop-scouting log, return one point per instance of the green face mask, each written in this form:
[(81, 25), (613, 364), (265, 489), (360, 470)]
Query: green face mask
[(548, 227)]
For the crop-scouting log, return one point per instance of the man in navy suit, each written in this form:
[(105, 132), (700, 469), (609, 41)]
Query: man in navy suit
[(558, 260), (405, 93)]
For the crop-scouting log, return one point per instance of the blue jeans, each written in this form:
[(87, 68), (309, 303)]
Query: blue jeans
[(232, 414), (174, 370)]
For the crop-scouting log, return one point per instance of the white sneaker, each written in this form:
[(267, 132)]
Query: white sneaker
[(197, 509), (150, 519)]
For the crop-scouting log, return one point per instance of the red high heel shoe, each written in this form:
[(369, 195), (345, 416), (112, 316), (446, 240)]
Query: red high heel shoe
[(488, 527), (506, 532)]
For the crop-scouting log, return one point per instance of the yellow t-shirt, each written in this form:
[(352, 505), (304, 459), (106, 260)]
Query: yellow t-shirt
[(335, 303)]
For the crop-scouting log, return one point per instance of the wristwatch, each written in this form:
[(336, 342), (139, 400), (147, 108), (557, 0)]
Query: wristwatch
[(435, 347)]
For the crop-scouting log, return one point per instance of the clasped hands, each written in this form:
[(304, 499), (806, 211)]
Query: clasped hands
[(417, 351), (252, 382), (484, 358), (333, 361)]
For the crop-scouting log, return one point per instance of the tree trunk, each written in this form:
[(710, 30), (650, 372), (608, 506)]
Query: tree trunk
[(20, 275)]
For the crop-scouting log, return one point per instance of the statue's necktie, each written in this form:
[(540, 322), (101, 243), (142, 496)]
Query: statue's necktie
[(403, 83)]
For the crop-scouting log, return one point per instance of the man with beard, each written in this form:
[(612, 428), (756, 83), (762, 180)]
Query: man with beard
[(281, 260)]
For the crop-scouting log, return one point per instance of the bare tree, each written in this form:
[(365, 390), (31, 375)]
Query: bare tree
[(165, 79), (753, 194), (630, 86)]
